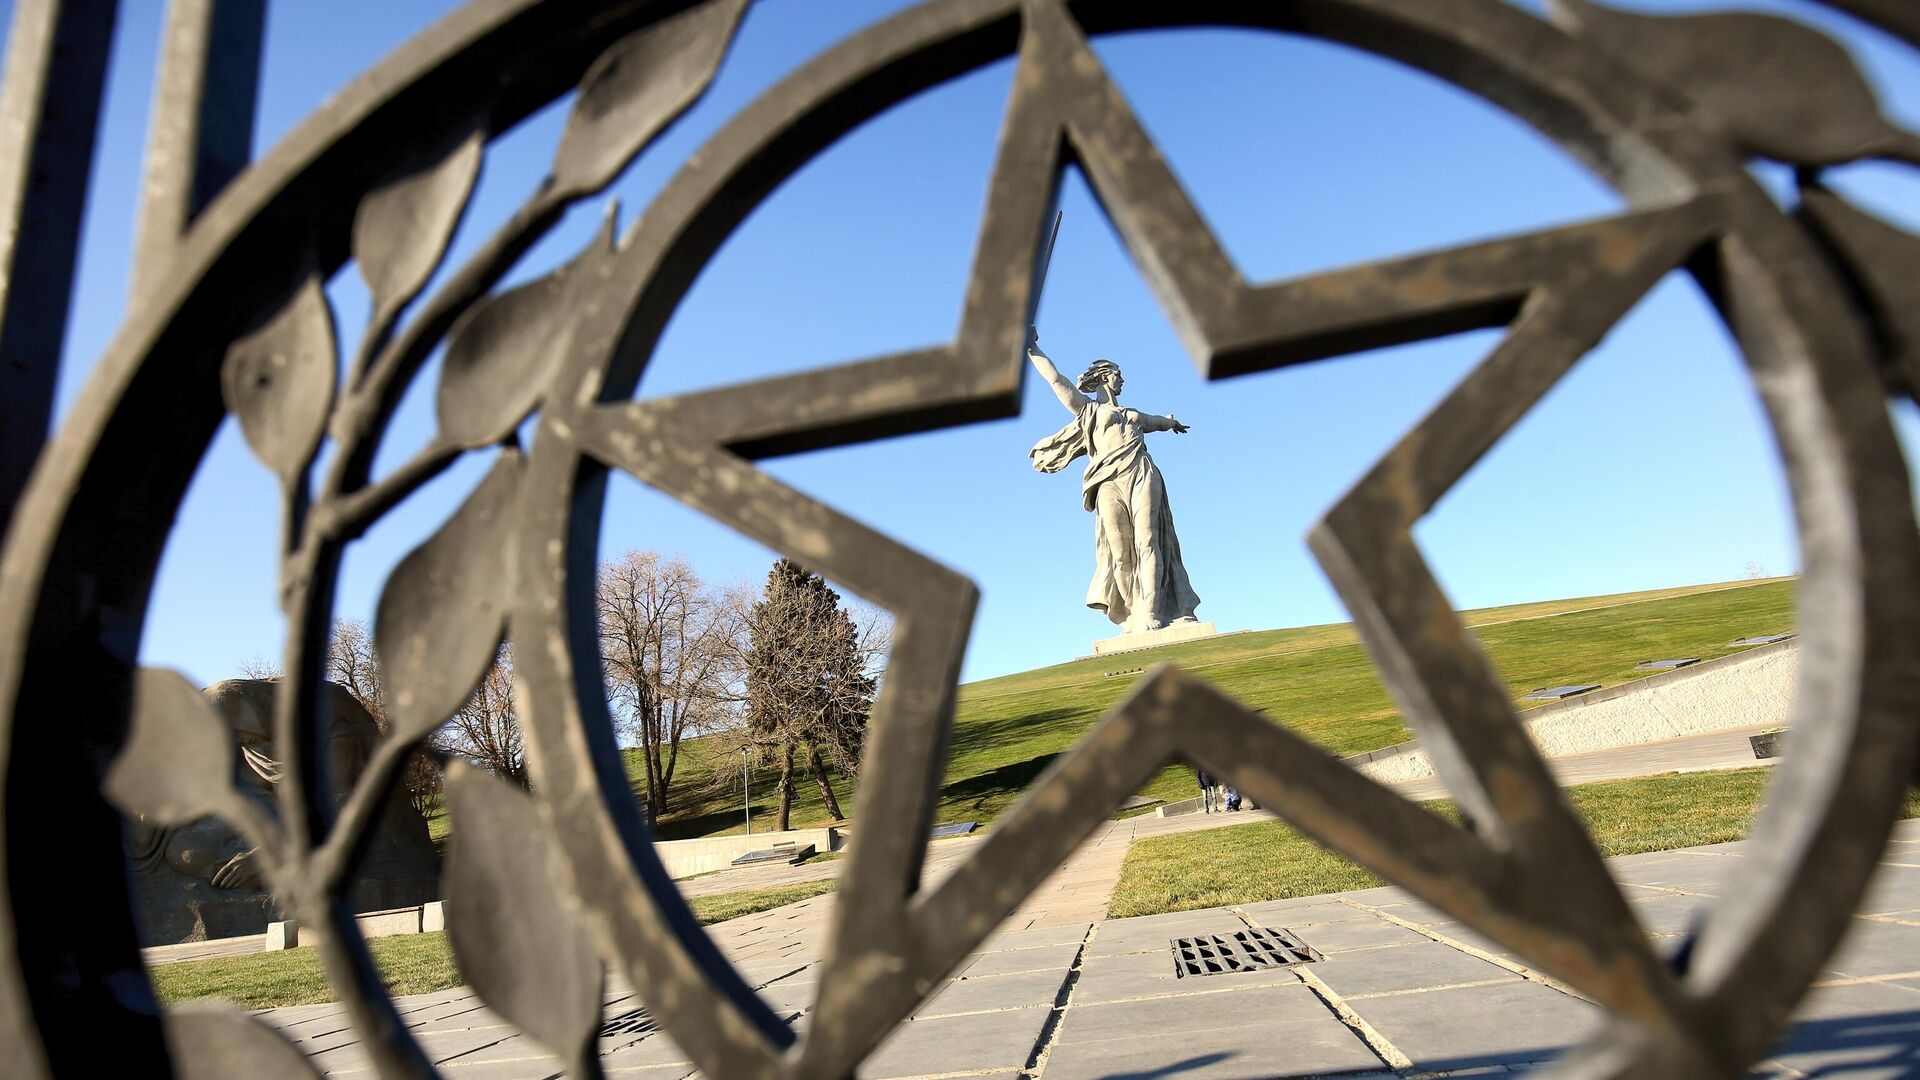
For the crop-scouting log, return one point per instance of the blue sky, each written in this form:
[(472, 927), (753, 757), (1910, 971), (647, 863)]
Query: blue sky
[(1649, 466)]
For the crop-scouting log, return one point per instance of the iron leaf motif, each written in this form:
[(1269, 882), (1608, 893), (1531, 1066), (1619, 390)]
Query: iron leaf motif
[(518, 940), (212, 1040), (1881, 260), (402, 228), (1780, 89), (443, 612), (178, 762), (638, 87), (503, 352), (279, 381)]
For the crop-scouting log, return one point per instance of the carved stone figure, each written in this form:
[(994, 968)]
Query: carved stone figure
[(1139, 581), (198, 881)]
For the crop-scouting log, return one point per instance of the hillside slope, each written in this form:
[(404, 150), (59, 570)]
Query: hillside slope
[(1315, 679)]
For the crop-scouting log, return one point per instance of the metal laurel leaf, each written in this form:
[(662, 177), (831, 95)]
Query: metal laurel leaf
[(1881, 259), (177, 764), (517, 939), (1781, 89), (504, 351), (638, 87), (211, 1040), (444, 609), (279, 381), (402, 228)]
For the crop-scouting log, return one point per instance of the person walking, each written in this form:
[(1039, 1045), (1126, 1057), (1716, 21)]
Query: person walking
[(1208, 792)]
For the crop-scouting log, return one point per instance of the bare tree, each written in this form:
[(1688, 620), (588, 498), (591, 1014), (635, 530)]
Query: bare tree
[(670, 651), (259, 667), (487, 728), (352, 664)]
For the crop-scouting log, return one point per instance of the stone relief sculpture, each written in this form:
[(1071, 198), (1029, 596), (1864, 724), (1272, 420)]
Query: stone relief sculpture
[(1139, 581), (201, 880)]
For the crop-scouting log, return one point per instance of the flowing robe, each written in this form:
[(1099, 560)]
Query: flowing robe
[(1138, 578)]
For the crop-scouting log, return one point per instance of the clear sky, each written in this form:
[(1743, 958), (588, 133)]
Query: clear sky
[(1649, 466)]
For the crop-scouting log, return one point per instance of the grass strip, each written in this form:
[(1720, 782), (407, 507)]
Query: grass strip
[(408, 964), (1269, 860)]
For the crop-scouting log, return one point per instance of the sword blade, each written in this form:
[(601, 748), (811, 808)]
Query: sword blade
[(1046, 263)]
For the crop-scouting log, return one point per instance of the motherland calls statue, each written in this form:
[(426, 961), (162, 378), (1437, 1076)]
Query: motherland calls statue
[(1138, 580)]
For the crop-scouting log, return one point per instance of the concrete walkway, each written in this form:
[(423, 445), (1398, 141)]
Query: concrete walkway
[(1394, 989)]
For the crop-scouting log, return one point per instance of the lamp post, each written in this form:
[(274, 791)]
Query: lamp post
[(746, 795)]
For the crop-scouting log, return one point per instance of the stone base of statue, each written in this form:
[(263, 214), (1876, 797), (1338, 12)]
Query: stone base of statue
[(1153, 639)]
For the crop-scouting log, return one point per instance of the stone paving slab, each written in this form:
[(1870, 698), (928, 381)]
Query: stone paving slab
[(1508, 1022), (1268, 1031), (1304, 911), (1072, 934), (783, 997), (1207, 1009), (1026, 990), (1468, 940), (1401, 968), (949, 1044), (518, 1056), (1352, 936), (1865, 1031), (1895, 889), (1013, 961), (1153, 932), (1670, 913), (1873, 948)]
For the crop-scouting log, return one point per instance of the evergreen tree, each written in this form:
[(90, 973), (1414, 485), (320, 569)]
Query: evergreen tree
[(808, 686)]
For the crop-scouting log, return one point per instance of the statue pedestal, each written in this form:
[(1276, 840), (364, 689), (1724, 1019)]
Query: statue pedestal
[(1153, 639)]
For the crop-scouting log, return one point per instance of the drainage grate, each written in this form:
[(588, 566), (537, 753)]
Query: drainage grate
[(631, 1022), (1243, 950)]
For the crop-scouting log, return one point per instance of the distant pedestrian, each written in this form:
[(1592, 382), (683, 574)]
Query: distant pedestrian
[(1233, 798), (1209, 792)]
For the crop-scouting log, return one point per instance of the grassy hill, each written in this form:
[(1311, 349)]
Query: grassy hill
[(1315, 679)]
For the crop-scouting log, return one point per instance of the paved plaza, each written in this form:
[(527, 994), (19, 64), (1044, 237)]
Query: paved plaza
[(1398, 990)]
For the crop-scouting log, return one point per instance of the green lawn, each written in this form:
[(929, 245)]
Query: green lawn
[(409, 964), (1268, 860), (1315, 679)]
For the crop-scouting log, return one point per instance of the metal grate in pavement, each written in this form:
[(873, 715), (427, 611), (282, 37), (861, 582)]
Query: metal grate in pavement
[(631, 1022), (1254, 949)]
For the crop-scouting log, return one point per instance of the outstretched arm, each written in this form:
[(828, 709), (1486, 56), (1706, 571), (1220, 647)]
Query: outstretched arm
[(1151, 422), (1069, 395)]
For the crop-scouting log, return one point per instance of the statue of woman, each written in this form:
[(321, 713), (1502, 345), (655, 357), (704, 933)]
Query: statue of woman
[(1138, 580)]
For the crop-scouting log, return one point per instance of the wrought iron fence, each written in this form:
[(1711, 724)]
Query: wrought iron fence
[(229, 317)]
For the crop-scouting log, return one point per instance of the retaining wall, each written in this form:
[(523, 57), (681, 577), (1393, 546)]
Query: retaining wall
[(1734, 691), (685, 858)]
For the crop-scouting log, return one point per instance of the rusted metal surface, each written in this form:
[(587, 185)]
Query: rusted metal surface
[(231, 317)]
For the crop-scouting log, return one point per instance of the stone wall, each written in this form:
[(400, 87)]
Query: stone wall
[(1741, 690), (685, 858)]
